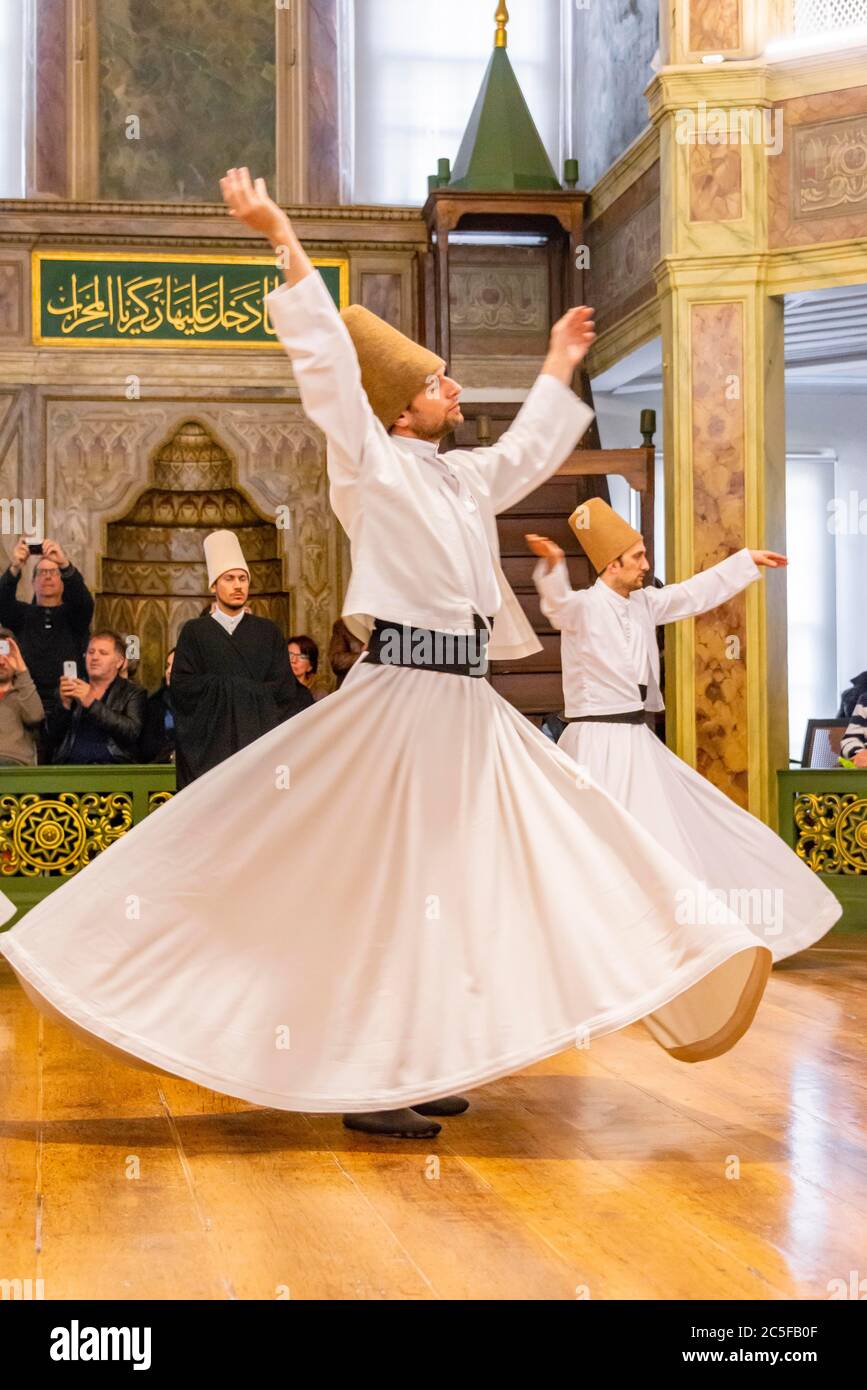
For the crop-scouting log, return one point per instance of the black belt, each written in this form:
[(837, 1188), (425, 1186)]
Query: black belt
[(451, 653), (632, 716)]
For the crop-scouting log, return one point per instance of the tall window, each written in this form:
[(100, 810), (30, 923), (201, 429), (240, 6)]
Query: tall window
[(812, 596), (418, 68), (13, 29)]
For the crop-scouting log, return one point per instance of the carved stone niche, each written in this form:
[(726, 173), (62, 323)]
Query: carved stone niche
[(153, 572)]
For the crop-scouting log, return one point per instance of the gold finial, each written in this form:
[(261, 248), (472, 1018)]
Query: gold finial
[(501, 39)]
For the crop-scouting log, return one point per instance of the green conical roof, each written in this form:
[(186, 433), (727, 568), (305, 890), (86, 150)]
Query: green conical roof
[(502, 150)]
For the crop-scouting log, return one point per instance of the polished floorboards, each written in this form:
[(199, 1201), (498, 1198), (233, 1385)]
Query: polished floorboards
[(605, 1173)]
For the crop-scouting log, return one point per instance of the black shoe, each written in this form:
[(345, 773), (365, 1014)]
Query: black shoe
[(394, 1124), (448, 1105)]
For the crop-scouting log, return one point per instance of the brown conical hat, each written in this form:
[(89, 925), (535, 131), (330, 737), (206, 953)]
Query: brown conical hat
[(603, 534), (393, 368)]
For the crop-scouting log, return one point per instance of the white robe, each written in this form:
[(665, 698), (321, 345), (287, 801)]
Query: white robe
[(609, 647), (404, 891)]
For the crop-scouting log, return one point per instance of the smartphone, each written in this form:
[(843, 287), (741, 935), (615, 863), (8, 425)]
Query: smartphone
[(70, 670), (35, 547), (4, 647)]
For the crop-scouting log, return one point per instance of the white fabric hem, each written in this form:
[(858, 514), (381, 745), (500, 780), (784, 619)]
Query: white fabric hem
[(395, 1099)]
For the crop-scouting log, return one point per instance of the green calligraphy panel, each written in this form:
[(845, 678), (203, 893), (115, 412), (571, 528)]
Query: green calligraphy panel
[(158, 300)]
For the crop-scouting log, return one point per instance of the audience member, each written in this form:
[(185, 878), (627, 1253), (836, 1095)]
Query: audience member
[(52, 629), (21, 711), (98, 720), (158, 738)]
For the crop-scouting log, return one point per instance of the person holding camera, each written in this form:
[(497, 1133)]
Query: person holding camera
[(21, 711), (53, 628), (98, 720)]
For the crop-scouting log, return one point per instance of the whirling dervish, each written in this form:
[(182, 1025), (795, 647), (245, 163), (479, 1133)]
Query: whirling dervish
[(611, 680), (478, 906)]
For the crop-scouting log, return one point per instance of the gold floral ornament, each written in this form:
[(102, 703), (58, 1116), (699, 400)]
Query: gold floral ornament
[(58, 835), (832, 832)]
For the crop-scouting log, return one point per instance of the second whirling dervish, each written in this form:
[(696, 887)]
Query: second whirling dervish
[(611, 680), (468, 906)]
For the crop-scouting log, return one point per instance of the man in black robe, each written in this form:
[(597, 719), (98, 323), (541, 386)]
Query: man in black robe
[(231, 678)]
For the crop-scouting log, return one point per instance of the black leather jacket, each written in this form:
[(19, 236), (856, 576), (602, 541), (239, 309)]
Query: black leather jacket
[(120, 714)]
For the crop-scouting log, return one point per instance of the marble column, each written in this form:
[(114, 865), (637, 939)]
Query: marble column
[(724, 410)]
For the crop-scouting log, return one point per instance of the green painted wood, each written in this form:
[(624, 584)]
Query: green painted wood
[(502, 151), (849, 889), (138, 781)]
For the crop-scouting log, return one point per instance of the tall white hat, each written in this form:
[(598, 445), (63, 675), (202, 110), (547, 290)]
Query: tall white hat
[(223, 552)]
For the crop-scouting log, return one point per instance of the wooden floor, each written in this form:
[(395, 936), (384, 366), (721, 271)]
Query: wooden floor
[(608, 1173)]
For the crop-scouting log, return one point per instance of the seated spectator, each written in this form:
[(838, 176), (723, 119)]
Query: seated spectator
[(158, 738), (344, 650), (304, 660), (855, 695), (21, 711), (53, 627), (854, 742), (98, 720)]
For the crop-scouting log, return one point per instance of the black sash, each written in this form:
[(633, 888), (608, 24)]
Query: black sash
[(632, 716), (451, 653)]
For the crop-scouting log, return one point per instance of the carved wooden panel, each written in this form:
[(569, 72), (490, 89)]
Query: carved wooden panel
[(500, 302), (12, 316), (624, 245), (100, 456), (817, 188)]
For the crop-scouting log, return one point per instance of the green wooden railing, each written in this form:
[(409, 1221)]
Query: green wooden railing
[(54, 820), (823, 816)]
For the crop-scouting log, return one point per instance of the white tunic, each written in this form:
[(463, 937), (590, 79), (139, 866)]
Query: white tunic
[(608, 648), (411, 545), (445, 481), (609, 643)]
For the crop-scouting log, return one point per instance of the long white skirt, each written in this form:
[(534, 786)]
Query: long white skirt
[(742, 863), (401, 893)]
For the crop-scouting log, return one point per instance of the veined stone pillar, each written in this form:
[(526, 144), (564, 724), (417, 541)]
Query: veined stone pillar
[(723, 402)]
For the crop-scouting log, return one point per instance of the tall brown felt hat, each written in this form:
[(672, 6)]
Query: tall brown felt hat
[(603, 534), (393, 368)]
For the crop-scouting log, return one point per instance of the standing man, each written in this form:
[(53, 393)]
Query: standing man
[(232, 679), (610, 660), (54, 626), (466, 908)]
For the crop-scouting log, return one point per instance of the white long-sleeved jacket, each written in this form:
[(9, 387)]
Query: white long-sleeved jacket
[(408, 542), (604, 636)]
